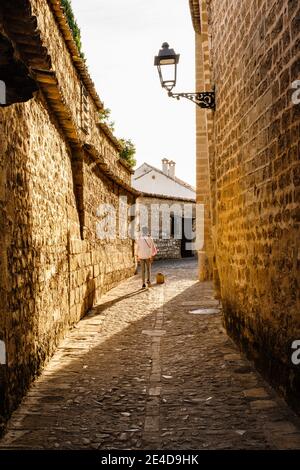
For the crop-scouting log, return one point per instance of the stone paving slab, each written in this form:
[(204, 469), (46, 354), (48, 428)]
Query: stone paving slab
[(140, 372)]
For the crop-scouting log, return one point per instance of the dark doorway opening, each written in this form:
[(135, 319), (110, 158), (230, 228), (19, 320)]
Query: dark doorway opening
[(187, 238)]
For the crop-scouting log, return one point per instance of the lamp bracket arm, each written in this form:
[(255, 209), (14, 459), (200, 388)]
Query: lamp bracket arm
[(204, 99)]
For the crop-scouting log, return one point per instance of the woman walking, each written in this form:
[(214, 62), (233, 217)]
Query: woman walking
[(146, 250)]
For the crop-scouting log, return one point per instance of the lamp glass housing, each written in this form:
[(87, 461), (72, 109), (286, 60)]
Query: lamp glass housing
[(166, 62)]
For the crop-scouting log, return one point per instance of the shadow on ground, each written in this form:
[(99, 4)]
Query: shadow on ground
[(95, 391)]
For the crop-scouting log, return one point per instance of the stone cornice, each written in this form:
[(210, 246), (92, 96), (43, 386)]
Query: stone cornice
[(28, 42), (93, 152), (195, 14), (50, 87), (82, 70), (78, 62), (106, 130)]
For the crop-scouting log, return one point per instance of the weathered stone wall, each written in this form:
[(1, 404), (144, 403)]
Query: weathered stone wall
[(113, 260), (255, 56), (169, 247), (204, 168), (36, 182), (72, 88), (53, 267), (49, 275)]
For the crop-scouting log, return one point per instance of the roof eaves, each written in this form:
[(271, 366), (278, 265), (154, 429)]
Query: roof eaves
[(106, 130), (78, 62), (176, 180), (164, 196), (146, 173), (93, 152)]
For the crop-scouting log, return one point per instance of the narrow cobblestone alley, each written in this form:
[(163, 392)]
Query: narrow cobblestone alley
[(141, 372)]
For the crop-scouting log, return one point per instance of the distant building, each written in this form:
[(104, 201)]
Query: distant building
[(170, 208), (151, 180)]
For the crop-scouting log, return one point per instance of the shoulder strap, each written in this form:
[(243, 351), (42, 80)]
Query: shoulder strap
[(149, 246)]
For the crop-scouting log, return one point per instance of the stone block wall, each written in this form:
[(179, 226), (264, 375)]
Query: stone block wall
[(49, 275), (204, 167), (255, 56), (53, 267), (168, 249), (72, 88), (37, 189)]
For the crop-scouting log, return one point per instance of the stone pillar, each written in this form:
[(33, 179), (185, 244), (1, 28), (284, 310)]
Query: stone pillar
[(205, 254)]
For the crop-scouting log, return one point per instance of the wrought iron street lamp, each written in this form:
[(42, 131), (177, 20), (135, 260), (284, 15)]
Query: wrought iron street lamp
[(166, 62)]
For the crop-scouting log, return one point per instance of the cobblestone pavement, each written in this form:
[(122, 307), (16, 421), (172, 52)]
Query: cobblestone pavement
[(141, 372)]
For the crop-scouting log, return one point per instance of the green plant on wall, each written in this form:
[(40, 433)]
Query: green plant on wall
[(128, 152), (67, 7), (104, 117)]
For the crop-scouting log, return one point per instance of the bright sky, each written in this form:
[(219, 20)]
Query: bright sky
[(120, 39)]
